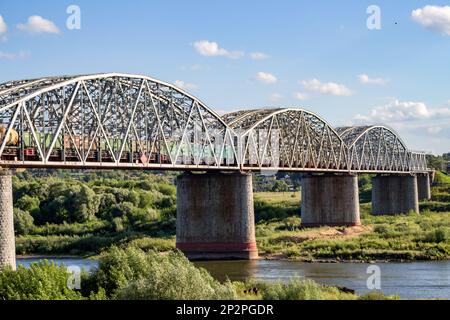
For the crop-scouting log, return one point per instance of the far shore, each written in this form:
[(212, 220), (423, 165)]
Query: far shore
[(262, 256)]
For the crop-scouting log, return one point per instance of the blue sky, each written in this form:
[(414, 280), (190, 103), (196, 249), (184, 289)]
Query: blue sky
[(319, 55)]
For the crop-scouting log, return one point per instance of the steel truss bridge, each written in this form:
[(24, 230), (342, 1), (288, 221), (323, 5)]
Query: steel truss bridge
[(129, 121)]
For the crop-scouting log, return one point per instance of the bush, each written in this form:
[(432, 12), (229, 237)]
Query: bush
[(27, 203), (23, 222), (377, 295), (438, 235), (298, 290), (42, 281), (133, 274)]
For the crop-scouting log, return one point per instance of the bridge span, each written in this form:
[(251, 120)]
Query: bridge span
[(125, 121)]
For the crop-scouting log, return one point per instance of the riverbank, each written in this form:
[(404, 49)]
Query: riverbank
[(130, 273), (140, 211), (400, 238)]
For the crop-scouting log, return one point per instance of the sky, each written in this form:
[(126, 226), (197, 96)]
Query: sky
[(347, 61)]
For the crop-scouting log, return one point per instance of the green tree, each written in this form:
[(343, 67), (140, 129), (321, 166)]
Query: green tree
[(280, 186), (23, 222)]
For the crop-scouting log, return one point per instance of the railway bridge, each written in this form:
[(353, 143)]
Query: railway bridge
[(124, 121)]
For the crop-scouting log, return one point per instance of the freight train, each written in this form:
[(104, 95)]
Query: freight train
[(68, 152)]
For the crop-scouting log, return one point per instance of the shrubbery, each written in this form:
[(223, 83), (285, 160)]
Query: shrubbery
[(23, 222), (133, 274), (302, 290), (94, 205), (42, 281)]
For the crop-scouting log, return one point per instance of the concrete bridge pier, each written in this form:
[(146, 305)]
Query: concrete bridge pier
[(7, 241), (394, 194), (423, 186), (330, 200), (215, 218)]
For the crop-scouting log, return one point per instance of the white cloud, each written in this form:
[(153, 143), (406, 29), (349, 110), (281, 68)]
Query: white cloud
[(185, 85), (328, 87), (3, 28), (266, 77), (37, 24), (365, 79), (433, 17), (396, 111), (14, 56), (212, 49), (258, 56), (300, 96), (434, 130), (275, 97)]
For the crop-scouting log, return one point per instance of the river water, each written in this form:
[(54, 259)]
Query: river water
[(410, 280)]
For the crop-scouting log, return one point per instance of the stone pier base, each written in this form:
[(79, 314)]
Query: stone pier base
[(329, 200), (215, 218), (423, 186), (394, 194), (7, 241)]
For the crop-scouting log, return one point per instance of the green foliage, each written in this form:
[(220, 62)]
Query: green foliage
[(302, 290), (365, 188), (42, 281), (133, 274), (90, 211), (438, 162), (23, 222), (276, 205), (280, 186), (441, 177), (27, 203), (377, 295), (68, 202), (404, 237)]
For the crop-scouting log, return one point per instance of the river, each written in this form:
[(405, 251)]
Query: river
[(410, 280)]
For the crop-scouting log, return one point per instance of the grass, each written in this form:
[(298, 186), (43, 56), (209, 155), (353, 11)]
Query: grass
[(424, 236), (405, 237), (276, 205), (291, 198)]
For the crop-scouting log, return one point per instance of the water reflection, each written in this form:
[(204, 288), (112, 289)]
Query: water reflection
[(233, 270)]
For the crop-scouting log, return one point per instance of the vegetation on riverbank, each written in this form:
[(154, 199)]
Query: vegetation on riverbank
[(406, 237), (424, 236), (138, 210), (136, 274)]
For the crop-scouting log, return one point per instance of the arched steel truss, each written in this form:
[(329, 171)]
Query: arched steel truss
[(130, 121), (110, 120), (379, 148), (305, 141)]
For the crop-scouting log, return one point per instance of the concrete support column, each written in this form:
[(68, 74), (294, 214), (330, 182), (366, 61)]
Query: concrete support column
[(330, 200), (432, 175), (215, 218), (7, 241), (423, 186), (394, 194)]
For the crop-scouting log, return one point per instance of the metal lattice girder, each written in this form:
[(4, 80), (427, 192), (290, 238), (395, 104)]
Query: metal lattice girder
[(130, 121), (110, 120), (303, 140), (379, 148)]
